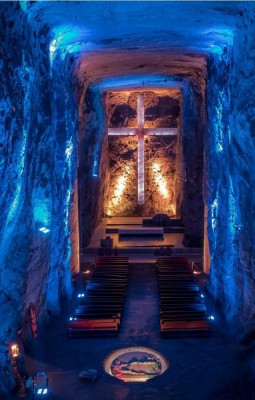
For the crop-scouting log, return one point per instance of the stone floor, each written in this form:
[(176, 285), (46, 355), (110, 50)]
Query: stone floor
[(216, 368)]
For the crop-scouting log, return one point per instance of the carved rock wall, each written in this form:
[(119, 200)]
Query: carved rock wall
[(93, 162), (37, 168), (230, 176), (161, 110), (193, 130)]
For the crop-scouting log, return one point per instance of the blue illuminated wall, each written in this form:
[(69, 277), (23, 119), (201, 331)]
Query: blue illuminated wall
[(229, 182), (93, 160), (193, 131), (38, 151)]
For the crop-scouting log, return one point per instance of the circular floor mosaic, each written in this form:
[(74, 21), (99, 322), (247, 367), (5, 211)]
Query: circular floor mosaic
[(135, 364)]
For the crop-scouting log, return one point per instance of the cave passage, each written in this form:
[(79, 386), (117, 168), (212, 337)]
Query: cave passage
[(72, 72)]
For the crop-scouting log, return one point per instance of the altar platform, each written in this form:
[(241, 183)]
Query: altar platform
[(140, 245)]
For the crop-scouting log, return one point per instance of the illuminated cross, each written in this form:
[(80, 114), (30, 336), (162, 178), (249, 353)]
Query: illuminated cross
[(140, 132)]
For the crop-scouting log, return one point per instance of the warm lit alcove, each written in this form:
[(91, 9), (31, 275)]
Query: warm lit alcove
[(173, 163), (161, 110)]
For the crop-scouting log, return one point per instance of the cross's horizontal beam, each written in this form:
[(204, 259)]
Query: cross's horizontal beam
[(146, 131), (122, 131), (160, 131)]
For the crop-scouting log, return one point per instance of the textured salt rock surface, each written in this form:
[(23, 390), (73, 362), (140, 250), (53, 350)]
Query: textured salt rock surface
[(230, 175), (38, 166), (161, 109), (123, 45), (93, 162)]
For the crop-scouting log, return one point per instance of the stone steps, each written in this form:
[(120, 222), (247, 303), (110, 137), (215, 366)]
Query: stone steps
[(144, 250)]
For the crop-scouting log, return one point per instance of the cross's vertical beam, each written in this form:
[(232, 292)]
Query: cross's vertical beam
[(140, 149)]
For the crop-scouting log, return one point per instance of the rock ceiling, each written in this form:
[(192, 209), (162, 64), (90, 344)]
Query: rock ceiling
[(150, 41)]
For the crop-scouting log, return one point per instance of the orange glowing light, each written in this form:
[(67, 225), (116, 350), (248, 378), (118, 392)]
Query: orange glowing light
[(120, 187), (14, 350), (160, 180)]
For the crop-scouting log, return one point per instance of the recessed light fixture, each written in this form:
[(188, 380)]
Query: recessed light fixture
[(44, 230)]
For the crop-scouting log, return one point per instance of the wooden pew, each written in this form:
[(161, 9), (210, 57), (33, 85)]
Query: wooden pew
[(97, 315), (102, 284), (176, 279), (104, 273), (102, 314), (92, 327), (178, 285), (109, 279), (180, 300), (100, 306), (197, 307), (181, 328), (182, 310), (183, 259), (187, 317), (106, 292), (103, 294), (108, 258), (99, 311), (104, 301)]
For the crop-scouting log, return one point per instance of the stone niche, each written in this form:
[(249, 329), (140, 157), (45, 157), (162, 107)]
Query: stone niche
[(161, 110)]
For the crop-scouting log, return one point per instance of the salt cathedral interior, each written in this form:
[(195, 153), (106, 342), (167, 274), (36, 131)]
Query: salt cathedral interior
[(127, 200)]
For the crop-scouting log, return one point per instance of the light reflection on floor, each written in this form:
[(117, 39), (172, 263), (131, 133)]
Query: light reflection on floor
[(135, 364)]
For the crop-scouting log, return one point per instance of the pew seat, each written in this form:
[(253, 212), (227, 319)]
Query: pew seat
[(93, 327), (181, 328)]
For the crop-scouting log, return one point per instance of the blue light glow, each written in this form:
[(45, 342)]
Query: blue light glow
[(44, 230), (25, 75), (234, 211), (69, 150), (217, 50), (224, 35), (69, 160), (20, 169), (65, 40), (220, 107), (214, 212), (23, 5), (140, 81), (220, 38), (95, 167), (41, 207)]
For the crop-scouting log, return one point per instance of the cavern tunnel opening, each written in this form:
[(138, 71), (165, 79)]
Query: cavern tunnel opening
[(170, 179), (75, 77)]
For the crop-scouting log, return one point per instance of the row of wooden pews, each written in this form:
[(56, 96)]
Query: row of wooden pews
[(182, 309), (99, 309)]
